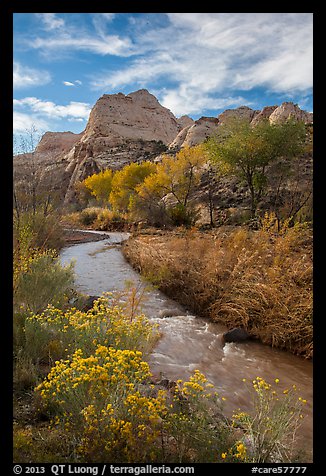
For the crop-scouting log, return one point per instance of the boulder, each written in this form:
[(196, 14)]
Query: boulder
[(89, 302), (238, 334)]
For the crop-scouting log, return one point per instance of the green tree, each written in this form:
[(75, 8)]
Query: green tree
[(246, 151)]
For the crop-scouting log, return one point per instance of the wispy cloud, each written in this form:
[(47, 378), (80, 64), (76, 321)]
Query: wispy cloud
[(24, 77), (59, 40), (71, 84), (48, 109), (51, 21), (110, 45), (23, 122), (193, 61), (217, 53), (191, 101)]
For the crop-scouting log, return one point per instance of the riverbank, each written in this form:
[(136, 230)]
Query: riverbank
[(258, 280), (73, 237)]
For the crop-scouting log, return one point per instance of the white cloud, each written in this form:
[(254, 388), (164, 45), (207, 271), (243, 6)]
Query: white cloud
[(108, 16), (71, 84), (190, 58), (48, 109), (191, 101), (59, 40), (24, 77), (23, 122), (110, 45), (51, 21), (217, 53)]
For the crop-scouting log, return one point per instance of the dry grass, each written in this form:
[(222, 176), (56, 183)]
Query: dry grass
[(256, 279), (97, 218)]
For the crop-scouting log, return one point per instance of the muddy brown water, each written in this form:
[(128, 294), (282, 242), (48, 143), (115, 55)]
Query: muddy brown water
[(189, 342)]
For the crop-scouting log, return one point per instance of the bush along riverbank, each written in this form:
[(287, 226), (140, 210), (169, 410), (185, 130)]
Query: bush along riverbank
[(258, 280)]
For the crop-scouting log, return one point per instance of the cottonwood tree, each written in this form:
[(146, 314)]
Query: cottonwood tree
[(169, 190), (100, 185), (246, 151), (125, 182)]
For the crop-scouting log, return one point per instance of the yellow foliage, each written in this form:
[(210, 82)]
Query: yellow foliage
[(125, 182), (100, 185)]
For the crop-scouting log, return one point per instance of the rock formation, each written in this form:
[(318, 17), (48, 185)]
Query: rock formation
[(127, 128), (242, 112), (54, 144), (121, 129), (289, 110), (185, 121), (263, 114), (135, 116), (195, 133), (45, 167), (238, 334)]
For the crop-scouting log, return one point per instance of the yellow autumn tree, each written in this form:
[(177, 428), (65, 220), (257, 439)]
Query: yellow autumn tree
[(125, 181), (168, 191), (100, 185)]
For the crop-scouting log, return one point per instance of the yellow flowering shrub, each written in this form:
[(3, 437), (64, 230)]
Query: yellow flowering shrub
[(129, 432), (196, 423), (104, 324), (236, 454), (271, 426), (98, 399)]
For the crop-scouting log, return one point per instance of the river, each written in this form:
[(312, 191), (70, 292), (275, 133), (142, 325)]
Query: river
[(189, 342)]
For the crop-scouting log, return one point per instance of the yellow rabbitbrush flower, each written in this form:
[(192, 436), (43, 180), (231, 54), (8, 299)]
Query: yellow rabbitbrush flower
[(105, 324), (271, 425), (99, 399), (196, 386), (98, 371)]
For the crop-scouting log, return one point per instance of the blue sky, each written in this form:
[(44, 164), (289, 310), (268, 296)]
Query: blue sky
[(194, 63)]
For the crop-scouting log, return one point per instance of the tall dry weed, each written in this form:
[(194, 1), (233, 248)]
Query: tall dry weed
[(260, 280)]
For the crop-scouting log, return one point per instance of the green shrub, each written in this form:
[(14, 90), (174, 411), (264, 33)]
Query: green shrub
[(25, 372), (45, 231), (42, 280), (182, 216), (88, 216), (270, 429)]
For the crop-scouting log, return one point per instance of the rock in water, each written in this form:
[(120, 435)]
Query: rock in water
[(238, 334), (169, 313)]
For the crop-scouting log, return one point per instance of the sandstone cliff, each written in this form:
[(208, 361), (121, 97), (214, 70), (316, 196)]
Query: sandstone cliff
[(54, 144), (206, 126), (195, 133), (242, 112), (289, 110), (127, 128), (121, 129)]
